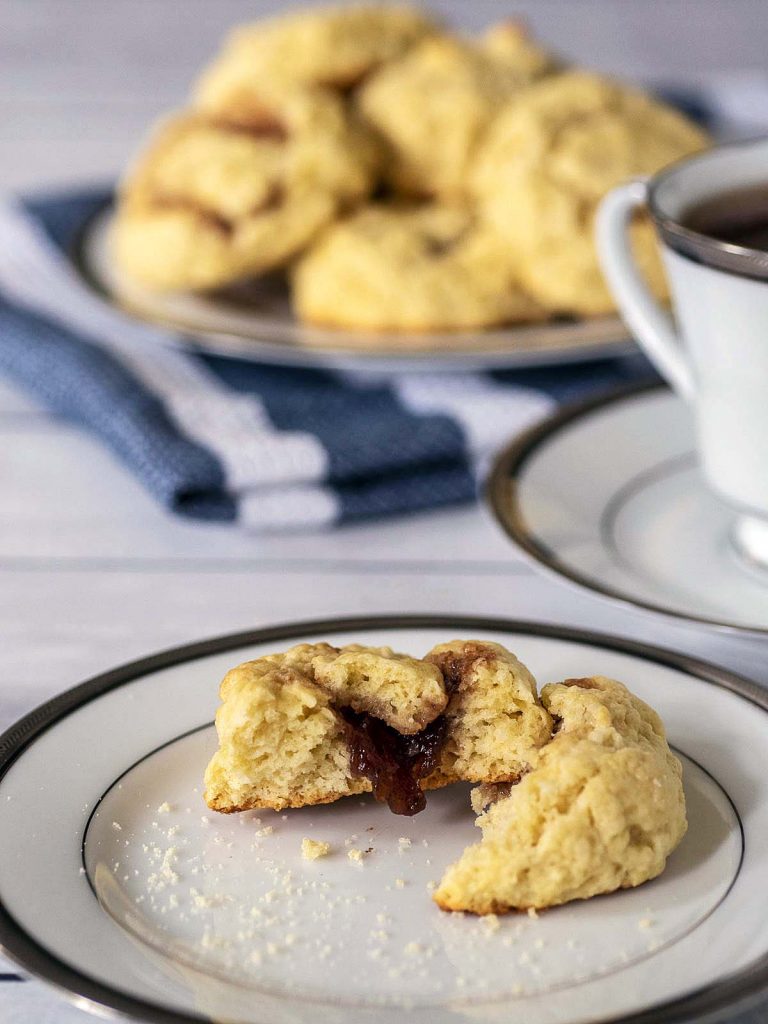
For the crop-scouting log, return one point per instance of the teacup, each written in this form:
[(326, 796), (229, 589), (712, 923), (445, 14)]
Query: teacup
[(714, 352)]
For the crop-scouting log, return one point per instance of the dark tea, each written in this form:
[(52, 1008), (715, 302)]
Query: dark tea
[(739, 216)]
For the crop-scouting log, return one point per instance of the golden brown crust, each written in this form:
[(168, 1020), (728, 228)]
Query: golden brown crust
[(481, 909), (282, 742), (601, 809), (406, 693), (548, 159), (293, 802), (218, 197), (495, 721), (334, 47), (421, 270), (433, 106)]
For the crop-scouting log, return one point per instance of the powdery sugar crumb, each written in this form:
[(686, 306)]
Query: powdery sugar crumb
[(312, 849)]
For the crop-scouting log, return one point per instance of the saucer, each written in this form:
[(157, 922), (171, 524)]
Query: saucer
[(121, 888), (609, 495)]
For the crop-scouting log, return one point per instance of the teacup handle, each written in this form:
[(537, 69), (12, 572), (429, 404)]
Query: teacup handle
[(649, 323)]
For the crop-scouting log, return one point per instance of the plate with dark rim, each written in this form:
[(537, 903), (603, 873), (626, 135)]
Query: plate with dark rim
[(255, 322), (118, 885), (608, 494)]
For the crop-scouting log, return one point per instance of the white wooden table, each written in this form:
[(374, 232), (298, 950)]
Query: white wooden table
[(92, 572)]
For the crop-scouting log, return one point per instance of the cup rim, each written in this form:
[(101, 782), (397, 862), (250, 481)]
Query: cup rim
[(736, 259)]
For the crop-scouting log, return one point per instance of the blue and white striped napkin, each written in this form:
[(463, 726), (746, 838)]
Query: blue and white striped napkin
[(268, 447)]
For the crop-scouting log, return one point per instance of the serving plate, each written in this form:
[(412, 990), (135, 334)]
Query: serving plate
[(256, 323), (608, 494), (119, 886)]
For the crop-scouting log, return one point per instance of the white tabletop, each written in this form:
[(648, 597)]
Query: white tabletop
[(92, 572)]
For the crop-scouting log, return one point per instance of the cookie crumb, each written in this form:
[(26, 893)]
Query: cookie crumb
[(164, 808), (491, 923), (413, 949), (266, 831), (645, 923), (399, 883), (533, 912), (355, 855), (403, 843), (205, 902), (312, 849), (168, 864)]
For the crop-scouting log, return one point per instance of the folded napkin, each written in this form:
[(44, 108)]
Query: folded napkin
[(268, 447)]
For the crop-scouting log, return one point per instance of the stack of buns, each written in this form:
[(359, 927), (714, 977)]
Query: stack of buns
[(401, 177)]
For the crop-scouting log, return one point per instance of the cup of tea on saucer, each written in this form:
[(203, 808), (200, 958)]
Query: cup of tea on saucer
[(711, 216)]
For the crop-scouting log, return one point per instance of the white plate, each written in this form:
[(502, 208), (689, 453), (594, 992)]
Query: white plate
[(99, 785), (257, 324), (609, 495)]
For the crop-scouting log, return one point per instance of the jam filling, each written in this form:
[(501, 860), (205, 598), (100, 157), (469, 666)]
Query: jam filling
[(209, 217), (455, 665), (273, 200), (393, 763), (583, 684), (258, 124)]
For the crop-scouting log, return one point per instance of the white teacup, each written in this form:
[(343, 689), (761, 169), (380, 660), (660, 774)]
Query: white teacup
[(715, 351)]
